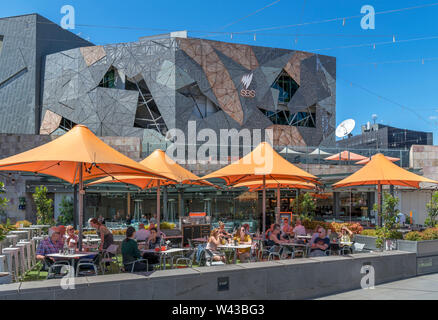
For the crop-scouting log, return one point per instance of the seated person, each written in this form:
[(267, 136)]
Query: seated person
[(52, 244), (315, 234), (215, 240), (152, 242), (142, 234), (299, 229), (346, 235), (222, 231), (321, 244), (71, 238), (269, 231), (131, 253), (242, 238), (286, 230), (274, 236), (246, 226)]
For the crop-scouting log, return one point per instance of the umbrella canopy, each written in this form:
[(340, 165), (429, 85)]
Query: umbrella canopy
[(157, 160), (275, 184), (60, 158), (74, 157), (290, 151), (346, 156), (318, 152), (261, 164), (263, 161), (365, 161), (382, 171)]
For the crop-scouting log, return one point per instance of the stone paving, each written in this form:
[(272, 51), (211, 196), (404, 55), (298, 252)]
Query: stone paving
[(417, 288)]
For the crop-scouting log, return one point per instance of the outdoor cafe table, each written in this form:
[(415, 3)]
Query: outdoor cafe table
[(164, 253), (294, 245), (71, 257), (234, 248)]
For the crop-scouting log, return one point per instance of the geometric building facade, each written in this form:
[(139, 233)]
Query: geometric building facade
[(147, 87), (24, 42)]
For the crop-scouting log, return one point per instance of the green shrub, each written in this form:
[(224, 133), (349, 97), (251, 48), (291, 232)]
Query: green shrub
[(369, 232), (414, 236), (430, 234)]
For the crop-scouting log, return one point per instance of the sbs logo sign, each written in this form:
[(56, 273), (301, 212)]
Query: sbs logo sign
[(246, 82)]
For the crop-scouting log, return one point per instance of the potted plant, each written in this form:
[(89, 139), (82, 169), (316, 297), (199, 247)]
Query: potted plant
[(44, 206), (387, 235)]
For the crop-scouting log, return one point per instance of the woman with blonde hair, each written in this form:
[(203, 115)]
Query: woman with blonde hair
[(71, 239), (213, 242)]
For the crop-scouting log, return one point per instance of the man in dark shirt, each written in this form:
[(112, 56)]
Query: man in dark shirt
[(321, 244)]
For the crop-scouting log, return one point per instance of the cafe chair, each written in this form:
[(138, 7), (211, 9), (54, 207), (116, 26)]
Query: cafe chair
[(85, 268), (209, 258), (275, 251), (109, 257), (129, 267), (55, 270)]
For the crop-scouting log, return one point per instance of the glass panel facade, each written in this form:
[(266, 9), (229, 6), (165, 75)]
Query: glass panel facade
[(109, 79), (287, 87)]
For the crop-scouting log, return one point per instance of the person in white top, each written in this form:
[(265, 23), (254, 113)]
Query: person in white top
[(299, 229), (142, 234)]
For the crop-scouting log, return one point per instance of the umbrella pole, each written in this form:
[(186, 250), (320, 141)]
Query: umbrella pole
[(81, 205), (158, 207), (350, 205), (277, 216), (264, 206), (379, 204)]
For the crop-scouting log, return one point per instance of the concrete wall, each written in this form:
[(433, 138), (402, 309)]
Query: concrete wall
[(425, 158), (415, 201), (285, 279)]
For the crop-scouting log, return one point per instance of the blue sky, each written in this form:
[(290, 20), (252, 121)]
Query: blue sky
[(401, 94)]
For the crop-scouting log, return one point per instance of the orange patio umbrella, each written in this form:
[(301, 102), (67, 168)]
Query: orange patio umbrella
[(158, 161), (261, 164), (365, 161), (76, 156), (346, 156), (275, 184), (381, 171)]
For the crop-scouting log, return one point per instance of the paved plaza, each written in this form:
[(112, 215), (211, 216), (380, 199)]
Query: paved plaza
[(417, 288)]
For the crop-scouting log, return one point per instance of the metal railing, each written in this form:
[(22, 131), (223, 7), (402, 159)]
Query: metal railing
[(294, 154)]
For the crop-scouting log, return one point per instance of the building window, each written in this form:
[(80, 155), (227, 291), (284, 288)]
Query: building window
[(1, 43), (203, 106), (287, 87), (109, 79), (277, 117), (299, 119), (303, 119), (66, 124)]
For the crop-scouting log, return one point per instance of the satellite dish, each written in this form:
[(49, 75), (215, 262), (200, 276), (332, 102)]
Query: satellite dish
[(345, 128)]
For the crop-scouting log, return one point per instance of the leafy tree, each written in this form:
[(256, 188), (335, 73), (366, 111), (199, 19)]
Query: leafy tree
[(432, 211), (44, 206), (305, 205), (66, 211), (389, 218), (3, 201)]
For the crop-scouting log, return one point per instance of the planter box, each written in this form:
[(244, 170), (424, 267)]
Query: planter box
[(421, 248), (370, 242), (427, 254)]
